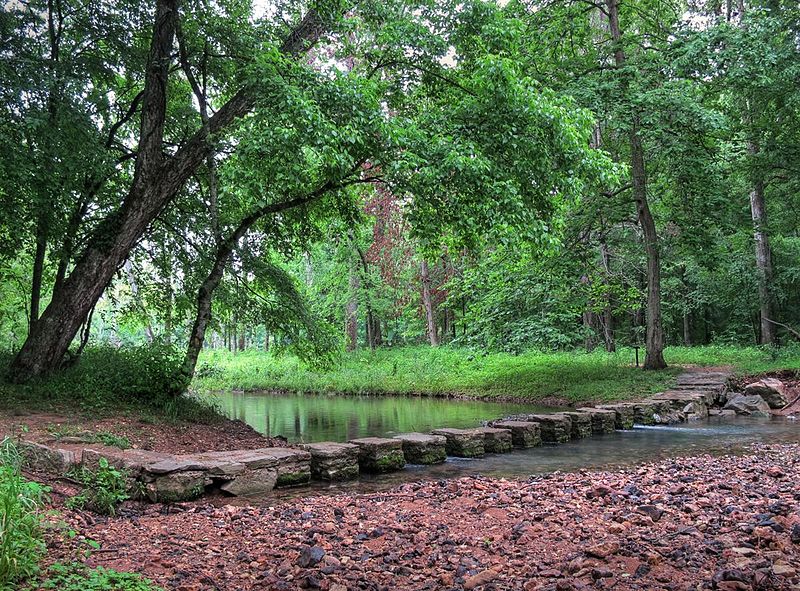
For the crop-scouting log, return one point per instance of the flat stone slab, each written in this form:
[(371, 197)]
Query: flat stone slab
[(604, 420), (680, 398), (462, 443), (555, 427), (333, 461), (46, 459), (581, 424), (496, 441), (378, 454), (625, 415), (524, 434), (423, 448)]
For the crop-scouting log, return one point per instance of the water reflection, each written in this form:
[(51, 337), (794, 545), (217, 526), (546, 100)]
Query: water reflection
[(339, 418)]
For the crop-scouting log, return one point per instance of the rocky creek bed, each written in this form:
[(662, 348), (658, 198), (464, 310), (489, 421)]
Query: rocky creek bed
[(707, 522)]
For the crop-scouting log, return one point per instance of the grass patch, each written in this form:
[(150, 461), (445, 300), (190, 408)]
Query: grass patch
[(573, 376), (108, 382)]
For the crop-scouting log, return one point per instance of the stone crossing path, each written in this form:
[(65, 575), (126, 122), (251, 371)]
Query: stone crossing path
[(168, 478)]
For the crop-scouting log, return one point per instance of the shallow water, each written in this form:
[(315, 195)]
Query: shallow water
[(617, 450), (330, 418), (307, 419)]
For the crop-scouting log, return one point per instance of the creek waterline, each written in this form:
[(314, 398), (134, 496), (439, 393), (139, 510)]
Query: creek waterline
[(313, 418), (338, 418)]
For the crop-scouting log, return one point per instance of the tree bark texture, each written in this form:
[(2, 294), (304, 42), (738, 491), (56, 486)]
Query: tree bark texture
[(758, 212), (427, 302)]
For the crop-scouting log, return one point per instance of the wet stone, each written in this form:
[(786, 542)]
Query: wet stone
[(603, 420), (524, 434), (333, 461), (625, 414), (645, 413), (496, 441), (581, 424), (378, 454), (556, 427), (462, 443), (421, 448)]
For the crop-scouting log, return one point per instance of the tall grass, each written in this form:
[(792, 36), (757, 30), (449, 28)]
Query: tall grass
[(574, 376), (21, 543)]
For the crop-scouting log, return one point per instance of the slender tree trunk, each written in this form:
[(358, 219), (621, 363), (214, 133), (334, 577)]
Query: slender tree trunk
[(148, 329), (654, 341), (351, 312), (607, 319), (763, 260), (155, 183), (38, 272), (427, 301), (687, 329), (266, 337)]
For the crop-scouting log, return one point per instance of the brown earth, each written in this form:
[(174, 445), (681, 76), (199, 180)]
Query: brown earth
[(726, 523), (74, 432)]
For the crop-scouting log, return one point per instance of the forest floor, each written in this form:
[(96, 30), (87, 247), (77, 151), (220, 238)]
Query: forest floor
[(551, 378), (727, 523)]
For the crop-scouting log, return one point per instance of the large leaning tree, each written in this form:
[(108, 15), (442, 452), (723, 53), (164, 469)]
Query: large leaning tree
[(261, 128)]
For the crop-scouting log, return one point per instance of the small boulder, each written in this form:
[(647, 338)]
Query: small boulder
[(772, 390), (748, 405), (310, 556)]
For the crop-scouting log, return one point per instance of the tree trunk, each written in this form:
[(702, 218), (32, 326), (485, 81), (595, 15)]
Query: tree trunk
[(155, 183), (687, 329), (38, 272), (607, 319), (351, 312), (427, 301), (266, 337), (763, 259), (654, 341)]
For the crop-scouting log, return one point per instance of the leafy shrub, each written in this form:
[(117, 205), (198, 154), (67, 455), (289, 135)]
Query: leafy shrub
[(21, 544), (104, 488), (78, 577)]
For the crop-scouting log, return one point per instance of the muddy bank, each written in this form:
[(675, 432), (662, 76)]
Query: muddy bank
[(730, 522)]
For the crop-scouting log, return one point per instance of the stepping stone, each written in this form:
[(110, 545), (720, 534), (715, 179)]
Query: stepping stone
[(333, 461), (644, 413), (46, 459), (462, 443), (421, 448), (604, 420), (524, 434), (581, 424), (624, 420), (555, 427), (678, 399), (496, 441), (378, 454)]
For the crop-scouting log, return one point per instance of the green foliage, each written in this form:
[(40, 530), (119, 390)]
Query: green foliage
[(21, 502), (443, 371), (79, 577), (105, 487), (107, 380)]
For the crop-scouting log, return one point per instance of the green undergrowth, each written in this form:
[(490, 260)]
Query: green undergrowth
[(107, 381), (78, 577), (21, 504), (573, 376)]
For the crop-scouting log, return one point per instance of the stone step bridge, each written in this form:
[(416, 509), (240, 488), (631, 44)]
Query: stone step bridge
[(160, 477)]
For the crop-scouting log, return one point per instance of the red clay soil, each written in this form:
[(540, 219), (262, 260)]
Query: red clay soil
[(726, 523), (177, 438)]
